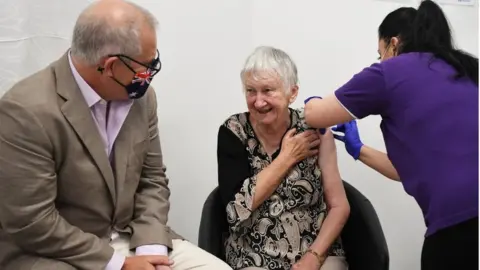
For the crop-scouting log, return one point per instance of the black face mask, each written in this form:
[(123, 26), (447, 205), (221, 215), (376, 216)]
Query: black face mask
[(141, 80)]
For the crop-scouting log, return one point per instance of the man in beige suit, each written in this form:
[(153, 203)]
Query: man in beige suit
[(82, 181)]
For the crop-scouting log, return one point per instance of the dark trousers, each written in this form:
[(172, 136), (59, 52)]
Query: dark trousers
[(452, 248)]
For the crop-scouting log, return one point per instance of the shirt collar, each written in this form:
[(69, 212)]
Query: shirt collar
[(91, 97)]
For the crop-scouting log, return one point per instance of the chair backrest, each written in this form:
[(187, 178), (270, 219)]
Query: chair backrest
[(362, 236), (363, 239), (213, 225)]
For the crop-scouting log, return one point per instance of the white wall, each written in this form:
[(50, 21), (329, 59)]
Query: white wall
[(32, 34), (203, 45)]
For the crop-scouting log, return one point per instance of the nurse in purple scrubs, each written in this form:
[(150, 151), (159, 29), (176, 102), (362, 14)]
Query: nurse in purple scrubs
[(426, 92)]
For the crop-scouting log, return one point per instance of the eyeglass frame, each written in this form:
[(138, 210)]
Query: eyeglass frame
[(149, 67)]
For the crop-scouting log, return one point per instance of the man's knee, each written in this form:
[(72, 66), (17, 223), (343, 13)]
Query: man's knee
[(335, 263), (187, 256)]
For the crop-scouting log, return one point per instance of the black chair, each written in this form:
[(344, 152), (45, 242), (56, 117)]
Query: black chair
[(213, 225), (362, 236)]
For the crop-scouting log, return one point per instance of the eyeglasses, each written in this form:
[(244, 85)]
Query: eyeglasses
[(153, 67)]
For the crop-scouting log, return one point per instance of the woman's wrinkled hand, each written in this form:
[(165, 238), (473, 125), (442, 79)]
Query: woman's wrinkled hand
[(297, 147), (307, 262)]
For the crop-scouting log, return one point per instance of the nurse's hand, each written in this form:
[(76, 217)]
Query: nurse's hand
[(351, 138)]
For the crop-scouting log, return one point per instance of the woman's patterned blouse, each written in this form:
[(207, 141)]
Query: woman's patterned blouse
[(280, 230)]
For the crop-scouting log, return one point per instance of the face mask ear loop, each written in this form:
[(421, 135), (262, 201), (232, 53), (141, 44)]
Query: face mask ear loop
[(117, 81), (126, 64), (387, 47)]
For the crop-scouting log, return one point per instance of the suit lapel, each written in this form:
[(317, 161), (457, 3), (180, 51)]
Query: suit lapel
[(130, 134), (77, 113)]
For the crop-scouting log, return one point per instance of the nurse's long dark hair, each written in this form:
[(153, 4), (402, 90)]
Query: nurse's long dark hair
[(427, 30)]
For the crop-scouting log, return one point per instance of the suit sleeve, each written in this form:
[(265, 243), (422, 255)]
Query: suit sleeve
[(28, 186), (235, 180), (152, 196)]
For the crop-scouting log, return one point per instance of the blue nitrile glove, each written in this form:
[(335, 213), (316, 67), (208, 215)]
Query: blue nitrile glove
[(322, 130), (352, 141)]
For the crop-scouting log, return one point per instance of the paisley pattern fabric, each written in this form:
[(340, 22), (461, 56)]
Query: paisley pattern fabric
[(277, 233)]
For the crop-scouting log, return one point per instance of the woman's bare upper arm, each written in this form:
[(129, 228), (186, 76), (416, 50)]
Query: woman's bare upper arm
[(332, 182)]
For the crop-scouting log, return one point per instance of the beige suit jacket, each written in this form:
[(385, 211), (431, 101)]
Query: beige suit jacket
[(60, 198)]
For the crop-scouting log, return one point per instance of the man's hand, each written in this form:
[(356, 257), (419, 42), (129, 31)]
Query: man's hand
[(146, 262), (163, 267)]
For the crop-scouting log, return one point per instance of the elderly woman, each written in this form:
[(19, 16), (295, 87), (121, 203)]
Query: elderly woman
[(278, 178)]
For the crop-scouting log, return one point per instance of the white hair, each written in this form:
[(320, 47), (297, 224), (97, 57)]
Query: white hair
[(94, 37), (270, 59)]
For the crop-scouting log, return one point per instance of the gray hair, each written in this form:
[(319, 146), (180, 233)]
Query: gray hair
[(94, 37), (268, 59)]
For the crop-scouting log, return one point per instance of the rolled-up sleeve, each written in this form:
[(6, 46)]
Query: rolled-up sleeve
[(365, 94), (235, 179)]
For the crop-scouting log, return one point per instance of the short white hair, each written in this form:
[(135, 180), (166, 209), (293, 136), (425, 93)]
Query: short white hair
[(270, 59), (94, 37)]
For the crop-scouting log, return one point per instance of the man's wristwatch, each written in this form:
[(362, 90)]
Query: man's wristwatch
[(321, 258)]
